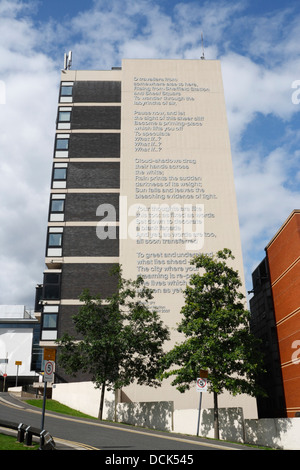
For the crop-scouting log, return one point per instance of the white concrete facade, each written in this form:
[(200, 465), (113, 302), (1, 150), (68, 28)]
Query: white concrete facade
[(175, 154)]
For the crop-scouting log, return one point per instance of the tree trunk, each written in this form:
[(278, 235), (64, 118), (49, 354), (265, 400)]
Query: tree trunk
[(216, 416), (100, 414)]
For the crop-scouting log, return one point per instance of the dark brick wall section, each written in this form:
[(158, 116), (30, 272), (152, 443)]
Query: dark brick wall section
[(83, 241), (93, 175), (97, 92), (100, 145), (83, 207), (65, 320), (96, 117), (95, 277), (66, 325)]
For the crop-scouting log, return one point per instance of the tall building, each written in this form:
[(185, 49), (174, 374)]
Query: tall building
[(142, 176), (276, 298), (263, 326)]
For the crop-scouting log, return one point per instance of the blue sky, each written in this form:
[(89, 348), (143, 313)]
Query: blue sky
[(257, 43)]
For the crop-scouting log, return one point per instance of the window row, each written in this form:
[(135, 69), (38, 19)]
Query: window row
[(87, 145), (49, 322), (97, 91), (88, 117)]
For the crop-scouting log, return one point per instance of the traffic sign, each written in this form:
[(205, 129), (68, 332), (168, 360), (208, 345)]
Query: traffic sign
[(203, 374), (201, 385), (49, 371), (49, 354), (18, 363)]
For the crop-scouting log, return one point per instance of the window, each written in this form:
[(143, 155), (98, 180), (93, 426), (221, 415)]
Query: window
[(59, 177), (55, 239), (64, 118), (49, 320), (57, 205), (66, 92), (51, 286), (62, 145), (59, 174)]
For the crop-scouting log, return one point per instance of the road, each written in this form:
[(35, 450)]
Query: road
[(71, 433)]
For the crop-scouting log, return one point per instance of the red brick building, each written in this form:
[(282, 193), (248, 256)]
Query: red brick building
[(283, 256), (275, 319)]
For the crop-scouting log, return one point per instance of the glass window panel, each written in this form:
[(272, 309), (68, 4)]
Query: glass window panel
[(49, 320), (62, 144), (66, 90), (55, 239), (60, 173), (57, 205), (51, 278), (64, 116), (51, 292)]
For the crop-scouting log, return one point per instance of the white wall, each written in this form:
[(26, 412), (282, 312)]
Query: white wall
[(154, 415), (230, 420), (280, 433), (12, 311), (84, 397), (275, 433), (16, 345)]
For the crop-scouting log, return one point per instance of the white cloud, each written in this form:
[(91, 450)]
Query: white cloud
[(260, 60), (27, 132)]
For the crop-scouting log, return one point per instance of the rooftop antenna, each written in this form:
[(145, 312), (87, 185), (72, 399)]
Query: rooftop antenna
[(202, 57), (67, 61)]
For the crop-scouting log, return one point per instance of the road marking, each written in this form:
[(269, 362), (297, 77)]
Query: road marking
[(74, 444), (11, 404)]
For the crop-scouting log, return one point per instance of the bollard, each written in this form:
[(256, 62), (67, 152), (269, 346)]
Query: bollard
[(46, 441), (28, 436), (21, 432)]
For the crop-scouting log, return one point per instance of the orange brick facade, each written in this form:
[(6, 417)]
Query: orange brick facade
[(283, 255)]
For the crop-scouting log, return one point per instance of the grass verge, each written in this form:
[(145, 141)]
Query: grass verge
[(10, 443), (53, 405)]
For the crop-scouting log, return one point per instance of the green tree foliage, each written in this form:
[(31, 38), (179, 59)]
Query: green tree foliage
[(121, 338), (216, 326)]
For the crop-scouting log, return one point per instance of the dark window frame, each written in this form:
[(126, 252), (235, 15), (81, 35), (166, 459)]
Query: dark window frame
[(50, 314), (67, 87), (55, 245), (60, 111), (57, 169), (53, 200), (62, 139)]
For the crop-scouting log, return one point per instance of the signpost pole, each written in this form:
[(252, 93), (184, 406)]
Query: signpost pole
[(201, 386), (49, 357), (17, 363), (199, 413), (44, 405)]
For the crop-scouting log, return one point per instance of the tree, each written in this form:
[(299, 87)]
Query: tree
[(217, 331), (121, 338)]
